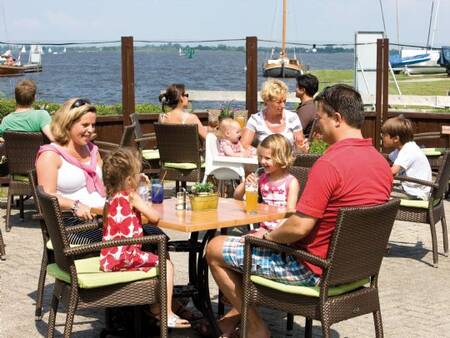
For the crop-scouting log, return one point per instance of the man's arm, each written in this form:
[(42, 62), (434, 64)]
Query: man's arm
[(296, 227), (48, 133)]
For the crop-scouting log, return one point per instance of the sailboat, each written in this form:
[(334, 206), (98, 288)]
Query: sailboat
[(419, 61), (283, 66)]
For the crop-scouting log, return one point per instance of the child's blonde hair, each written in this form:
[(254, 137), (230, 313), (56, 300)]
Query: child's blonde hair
[(281, 149), (399, 126), (224, 125), (117, 166)]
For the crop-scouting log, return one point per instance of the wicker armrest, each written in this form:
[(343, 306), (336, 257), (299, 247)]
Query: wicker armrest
[(90, 225), (145, 138), (95, 247), (254, 241), (416, 180)]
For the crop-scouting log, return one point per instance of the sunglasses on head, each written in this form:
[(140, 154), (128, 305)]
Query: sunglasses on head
[(186, 95), (80, 102)]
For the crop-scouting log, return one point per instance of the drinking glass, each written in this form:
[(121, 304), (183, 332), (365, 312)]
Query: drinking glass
[(241, 117), (157, 191), (251, 197)]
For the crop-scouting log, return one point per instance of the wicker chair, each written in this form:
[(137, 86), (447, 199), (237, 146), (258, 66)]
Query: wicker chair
[(431, 211), (2, 247), (301, 174), (305, 160), (126, 141), (179, 150), (434, 155), (80, 284), (146, 143), (47, 252), (354, 257), (21, 150)]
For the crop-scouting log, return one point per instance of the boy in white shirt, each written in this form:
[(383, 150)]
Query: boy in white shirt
[(408, 159)]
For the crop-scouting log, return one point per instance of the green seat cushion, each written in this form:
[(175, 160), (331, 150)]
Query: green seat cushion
[(417, 203), (310, 291), (433, 151), (21, 178), (182, 166), (49, 245), (90, 276), (150, 154)]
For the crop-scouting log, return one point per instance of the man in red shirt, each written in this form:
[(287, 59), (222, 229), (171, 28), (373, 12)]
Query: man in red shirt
[(350, 173)]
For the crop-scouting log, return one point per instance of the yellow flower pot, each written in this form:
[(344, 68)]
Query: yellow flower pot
[(204, 201)]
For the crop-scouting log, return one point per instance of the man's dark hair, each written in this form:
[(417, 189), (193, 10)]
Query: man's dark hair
[(309, 82), (345, 100)]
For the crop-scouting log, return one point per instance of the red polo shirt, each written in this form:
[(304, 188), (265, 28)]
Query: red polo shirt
[(350, 173)]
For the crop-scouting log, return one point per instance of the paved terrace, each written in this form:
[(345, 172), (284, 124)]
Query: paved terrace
[(415, 297)]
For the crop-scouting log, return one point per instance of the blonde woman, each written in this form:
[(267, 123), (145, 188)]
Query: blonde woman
[(274, 118), (71, 167)]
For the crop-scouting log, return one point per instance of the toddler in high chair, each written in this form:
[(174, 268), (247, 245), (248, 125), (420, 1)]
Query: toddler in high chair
[(122, 219), (228, 140), (276, 185)]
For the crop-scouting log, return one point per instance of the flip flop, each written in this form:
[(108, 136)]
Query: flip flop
[(188, 314), (175, 322)]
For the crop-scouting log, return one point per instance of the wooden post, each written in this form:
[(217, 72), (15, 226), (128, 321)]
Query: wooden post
[(251, 98), (128, 100), (382, 88)]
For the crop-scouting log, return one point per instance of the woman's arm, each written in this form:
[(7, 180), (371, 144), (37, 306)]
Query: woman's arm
[(301, 143), (202, 130), (292, 197), (145, 208), (247, 137)]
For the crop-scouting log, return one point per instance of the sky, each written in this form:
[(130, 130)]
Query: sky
[(320, 21)]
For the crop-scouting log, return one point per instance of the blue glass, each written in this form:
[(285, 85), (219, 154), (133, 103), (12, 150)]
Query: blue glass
[(157, 191)]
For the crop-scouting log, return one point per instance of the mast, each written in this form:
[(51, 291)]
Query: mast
[(283, 45), (429, 27)]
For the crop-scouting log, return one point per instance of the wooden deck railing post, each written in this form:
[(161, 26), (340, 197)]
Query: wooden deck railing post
[(128, 100), (382, 89), (251, 97)]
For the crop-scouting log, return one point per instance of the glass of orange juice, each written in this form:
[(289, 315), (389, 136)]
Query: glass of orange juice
[(251, 197), (240, 117)]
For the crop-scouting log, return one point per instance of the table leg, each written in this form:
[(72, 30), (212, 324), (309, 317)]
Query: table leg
[(198, 276)]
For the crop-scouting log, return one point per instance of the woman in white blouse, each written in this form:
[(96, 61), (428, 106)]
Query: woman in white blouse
[(274, 119)]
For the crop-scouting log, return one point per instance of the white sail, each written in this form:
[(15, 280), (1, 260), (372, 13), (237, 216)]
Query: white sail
[(23, 50), (49, 49)]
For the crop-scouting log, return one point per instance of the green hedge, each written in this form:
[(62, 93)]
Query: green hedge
[(7, 106)]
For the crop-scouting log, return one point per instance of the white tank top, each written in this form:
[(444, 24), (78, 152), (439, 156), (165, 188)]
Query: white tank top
[(71, 183)]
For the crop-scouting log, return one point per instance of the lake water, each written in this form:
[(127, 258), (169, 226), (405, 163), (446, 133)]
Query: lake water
[(97, 75)]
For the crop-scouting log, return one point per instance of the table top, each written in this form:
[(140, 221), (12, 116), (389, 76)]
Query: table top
[(229, 213)]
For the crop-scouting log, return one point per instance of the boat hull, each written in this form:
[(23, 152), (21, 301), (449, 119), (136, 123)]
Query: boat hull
[(32, 68), (281, 70), (10, 70)]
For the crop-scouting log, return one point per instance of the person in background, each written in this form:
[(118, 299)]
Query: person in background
[(121, 173), (307, 87), (275, 185), (350, 173), (274, 118), (176, 98), (228, 140), (25, 117), (9, 60), (408, 159)]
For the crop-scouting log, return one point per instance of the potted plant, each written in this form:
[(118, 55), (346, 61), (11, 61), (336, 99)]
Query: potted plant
[(203, 196)]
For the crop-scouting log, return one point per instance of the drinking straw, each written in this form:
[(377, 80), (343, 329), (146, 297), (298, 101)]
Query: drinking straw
[(162, 182)]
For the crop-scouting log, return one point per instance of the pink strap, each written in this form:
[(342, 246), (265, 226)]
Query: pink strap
[(93, 181)]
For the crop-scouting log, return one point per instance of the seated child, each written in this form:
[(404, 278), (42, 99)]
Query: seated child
[(276, 185), (122, 219), (228, 140), (408, 159)]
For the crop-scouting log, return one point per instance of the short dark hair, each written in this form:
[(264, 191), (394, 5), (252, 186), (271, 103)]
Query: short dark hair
[(399, 126), (25, 92), (345, 100), (309, 82)]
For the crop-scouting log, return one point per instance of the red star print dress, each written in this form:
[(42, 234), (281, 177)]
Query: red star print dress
[(124, 222)]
